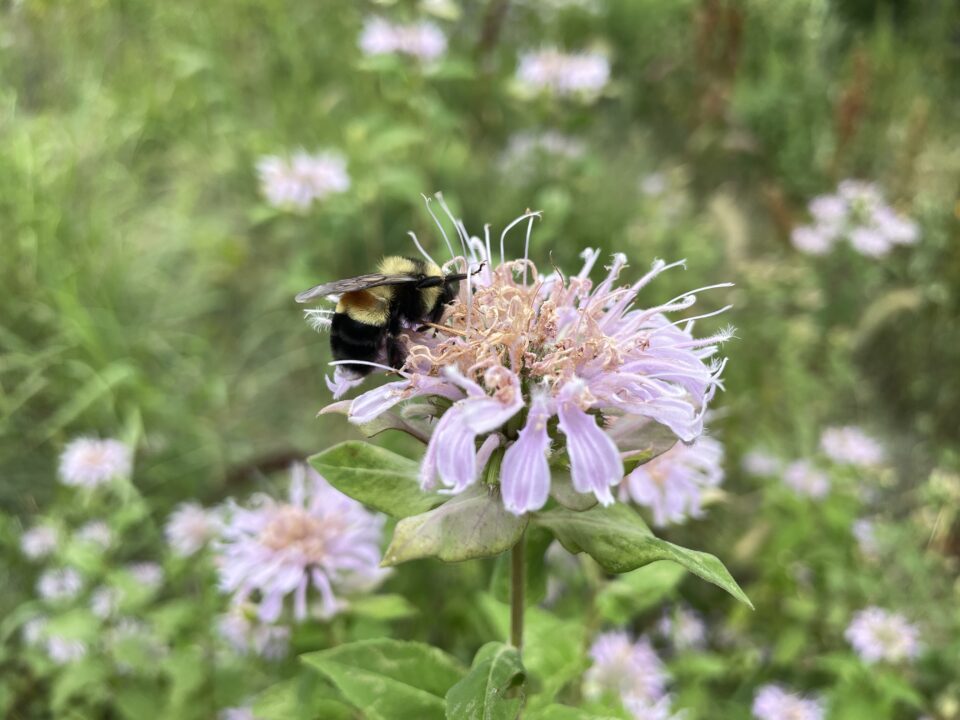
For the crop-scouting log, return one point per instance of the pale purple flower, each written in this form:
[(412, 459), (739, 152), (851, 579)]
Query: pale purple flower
[(551, 71), (39, 542), (320, 539), (880, 635), (422, 40), (96, 533), (760, 463), (865, 532), (105, 601), (59, 584), (858, 213), (772, 702), (812, 240), (672, 485), (630, 670), (297, 182), (243, 712), (64, 651), (525, 149), (869, 241), (34, 630), (829, 211), (89, 462), (246, 633), (625, 667), (147, 575), (684, 628), (615, 376), (851, 446), (641, 708), (804, 479), (189, 528)]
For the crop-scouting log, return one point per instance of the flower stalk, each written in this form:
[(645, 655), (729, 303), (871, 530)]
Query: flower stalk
[(518, 572)]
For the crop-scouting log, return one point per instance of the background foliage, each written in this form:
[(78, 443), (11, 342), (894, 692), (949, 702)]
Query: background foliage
[(148, 296)]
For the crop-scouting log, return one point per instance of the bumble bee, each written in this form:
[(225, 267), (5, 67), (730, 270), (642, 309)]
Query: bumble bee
[(372, 309)]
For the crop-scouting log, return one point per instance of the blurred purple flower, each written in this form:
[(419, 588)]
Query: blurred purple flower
[(880, 635), (551, 71), (39, 542), (804, 479), (772, 702), (189, 528), (89, 462), (320, 539), (296, 183), (422, 40), (59, 584), (851, 446), (672, 485)]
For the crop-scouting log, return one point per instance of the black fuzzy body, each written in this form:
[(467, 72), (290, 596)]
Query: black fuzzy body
[(421, 300)]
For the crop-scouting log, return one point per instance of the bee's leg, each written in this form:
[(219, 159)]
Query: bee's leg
[(395, 352)]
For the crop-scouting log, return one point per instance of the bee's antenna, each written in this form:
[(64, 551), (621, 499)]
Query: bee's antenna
[(442, 231), (420, 248)]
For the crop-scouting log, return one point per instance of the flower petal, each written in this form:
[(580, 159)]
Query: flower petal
[(595, 462), (525, 474)]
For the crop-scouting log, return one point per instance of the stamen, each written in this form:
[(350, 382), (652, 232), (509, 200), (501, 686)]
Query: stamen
[(509, 227), (437, 221), (420, 248)]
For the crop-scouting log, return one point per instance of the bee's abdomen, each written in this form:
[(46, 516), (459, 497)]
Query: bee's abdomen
[(352, 340)]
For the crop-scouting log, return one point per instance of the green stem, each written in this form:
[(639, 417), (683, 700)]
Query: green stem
[(517, 573)]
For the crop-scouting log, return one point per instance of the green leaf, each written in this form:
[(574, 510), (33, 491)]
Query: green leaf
[(382, 607), (536, 542), (474, 524), (87, 678), (490, 691), (378, 478), (390, 679), (553, 649), (304, 697), (618, 539), (638, 590)]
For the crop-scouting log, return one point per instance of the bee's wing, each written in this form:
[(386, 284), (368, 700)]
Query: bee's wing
[(361, 282)]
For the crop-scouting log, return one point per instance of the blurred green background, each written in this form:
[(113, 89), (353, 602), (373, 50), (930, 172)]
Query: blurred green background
[(147, 284)]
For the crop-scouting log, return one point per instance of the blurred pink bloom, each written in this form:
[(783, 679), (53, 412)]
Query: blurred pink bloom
[(296, 183), (422, 40), (804, 479), (772, 702), (554, 72), (59, 584), (858, 213), (672, 485), (761, 463), (880, 635), (630, 670), (812, 240), (320, 539), (96, 532), (189, 528), (851, 446), (89, 462), (39, 542)]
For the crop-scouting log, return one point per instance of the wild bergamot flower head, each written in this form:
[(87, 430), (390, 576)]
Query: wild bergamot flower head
[(556, 372), (318, 539)]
